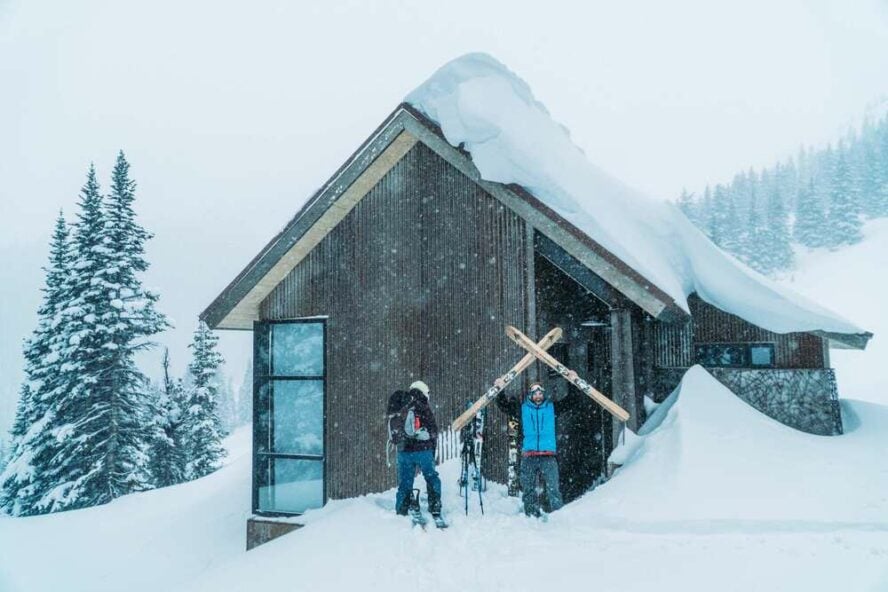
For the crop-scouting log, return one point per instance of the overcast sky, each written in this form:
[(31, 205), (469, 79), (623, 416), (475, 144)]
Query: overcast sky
[(233, 113)]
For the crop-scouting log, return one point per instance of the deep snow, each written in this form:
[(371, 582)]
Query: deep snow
[(491, 112), (717, 497), (853, 279)]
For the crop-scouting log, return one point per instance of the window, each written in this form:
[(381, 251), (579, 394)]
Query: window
[(288, 428), (761, 355), (735, 355)]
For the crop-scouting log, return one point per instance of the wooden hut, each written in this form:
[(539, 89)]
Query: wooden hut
[(406, 264)]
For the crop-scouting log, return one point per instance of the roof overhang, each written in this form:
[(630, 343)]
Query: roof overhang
[(237, 307), (845, 340)]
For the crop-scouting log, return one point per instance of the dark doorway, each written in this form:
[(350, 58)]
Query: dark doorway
[(584, 438)]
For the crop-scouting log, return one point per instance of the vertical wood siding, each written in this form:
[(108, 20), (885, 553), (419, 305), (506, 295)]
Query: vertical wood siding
[(791, 350), (673, 345), (418, 281)]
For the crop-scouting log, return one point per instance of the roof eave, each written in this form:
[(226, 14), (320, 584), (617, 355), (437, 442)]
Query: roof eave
[(845, 340)]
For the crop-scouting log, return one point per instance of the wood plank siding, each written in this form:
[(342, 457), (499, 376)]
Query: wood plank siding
[(674, 344), (417, 281)]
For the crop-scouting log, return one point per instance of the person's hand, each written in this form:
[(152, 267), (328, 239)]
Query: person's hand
[(422, 435), (572, 376), (499, 383)]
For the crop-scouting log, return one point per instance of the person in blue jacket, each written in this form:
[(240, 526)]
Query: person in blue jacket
[(539, 448)]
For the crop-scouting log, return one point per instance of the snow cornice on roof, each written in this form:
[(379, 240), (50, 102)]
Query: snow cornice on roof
[(484, 121), (237, 307)]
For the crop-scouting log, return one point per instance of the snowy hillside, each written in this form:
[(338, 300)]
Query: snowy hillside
[(718, 497), (853, 281)]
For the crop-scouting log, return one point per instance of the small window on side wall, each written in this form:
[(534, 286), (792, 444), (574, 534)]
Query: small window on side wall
[(761, 355), (735, 355)]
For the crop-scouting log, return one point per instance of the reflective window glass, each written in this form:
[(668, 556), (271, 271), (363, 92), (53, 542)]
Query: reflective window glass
[(298, 416), (761, 355), (297, 349), (291, 485)]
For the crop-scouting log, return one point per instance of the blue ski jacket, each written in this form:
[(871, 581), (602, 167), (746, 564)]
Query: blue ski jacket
[(538, 423)]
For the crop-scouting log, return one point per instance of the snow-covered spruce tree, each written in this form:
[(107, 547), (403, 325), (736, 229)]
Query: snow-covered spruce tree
[(100, 412), (245, 397), (22, 480), (810, 227), (690, 207), (752, 240), (226, 402), (776, 253), (880, 207), (132, 317), (844, 210), (203, 428), (168, 455)]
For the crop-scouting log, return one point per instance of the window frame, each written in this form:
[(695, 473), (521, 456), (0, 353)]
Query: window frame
[(263, 374), (747, 354)]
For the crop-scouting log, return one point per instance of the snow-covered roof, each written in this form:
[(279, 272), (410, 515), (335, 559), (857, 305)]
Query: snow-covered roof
[(487, 110)]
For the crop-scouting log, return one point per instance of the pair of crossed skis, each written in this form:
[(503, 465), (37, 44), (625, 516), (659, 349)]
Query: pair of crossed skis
[(537, 351)]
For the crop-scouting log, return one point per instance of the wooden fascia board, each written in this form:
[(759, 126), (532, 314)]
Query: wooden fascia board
[(238, 305)]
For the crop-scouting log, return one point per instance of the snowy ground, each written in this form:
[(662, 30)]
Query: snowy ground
[(718, 497)]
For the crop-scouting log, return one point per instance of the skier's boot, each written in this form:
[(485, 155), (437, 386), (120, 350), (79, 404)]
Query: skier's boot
[(434, 504), (403, 509)]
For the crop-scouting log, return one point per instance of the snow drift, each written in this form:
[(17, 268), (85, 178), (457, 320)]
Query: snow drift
[(715, 488), (492, 113)]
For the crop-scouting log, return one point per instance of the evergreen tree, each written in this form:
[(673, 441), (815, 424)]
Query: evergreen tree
[(752, 240), (168, 454), (810, 227), (22, 481), (100, 418), (204, 430), (132, 319), (844, 213), (777, 254), (245, 397), (880, 206), (226, 406), (688, 205)]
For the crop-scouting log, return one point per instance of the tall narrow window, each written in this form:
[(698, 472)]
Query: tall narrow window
[(288, 428)]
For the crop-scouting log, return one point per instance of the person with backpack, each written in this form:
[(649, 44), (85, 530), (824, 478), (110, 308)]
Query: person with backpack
[(413, 430), (537, 415)]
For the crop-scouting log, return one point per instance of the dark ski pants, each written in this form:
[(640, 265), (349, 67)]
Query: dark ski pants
[(407, 463), (547, 466)]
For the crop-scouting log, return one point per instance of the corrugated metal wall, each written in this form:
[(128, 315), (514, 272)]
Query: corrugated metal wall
[(418, 281)]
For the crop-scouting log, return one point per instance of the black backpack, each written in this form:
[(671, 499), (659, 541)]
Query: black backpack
[(400, 416)]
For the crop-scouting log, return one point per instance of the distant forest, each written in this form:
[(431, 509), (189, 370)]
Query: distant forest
[(820, 198)]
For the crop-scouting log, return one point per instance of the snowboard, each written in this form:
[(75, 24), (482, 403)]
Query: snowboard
[(528, 344), (545, 343)]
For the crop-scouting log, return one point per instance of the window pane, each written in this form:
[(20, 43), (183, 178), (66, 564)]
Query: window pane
[(762, 355), (298, 416), (721, 354), (291, 485), (297, 349)]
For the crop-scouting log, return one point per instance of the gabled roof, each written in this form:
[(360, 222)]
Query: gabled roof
[(238, 304), (484, 120)]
